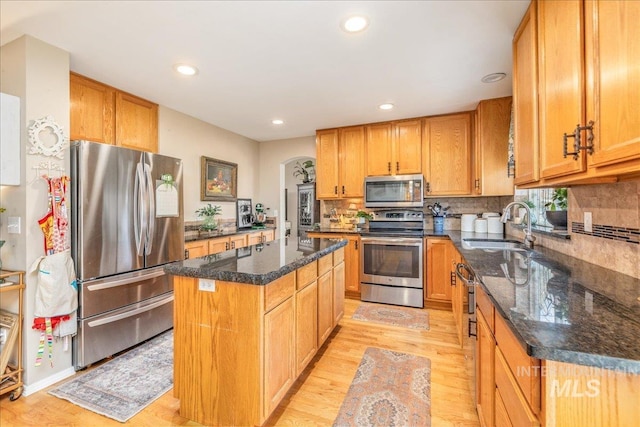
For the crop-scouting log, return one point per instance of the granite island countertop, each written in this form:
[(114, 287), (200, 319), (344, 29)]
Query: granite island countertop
[(258, 264), (562, 308)]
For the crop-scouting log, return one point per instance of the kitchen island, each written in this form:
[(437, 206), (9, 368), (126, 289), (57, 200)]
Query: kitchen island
[(248, 321)]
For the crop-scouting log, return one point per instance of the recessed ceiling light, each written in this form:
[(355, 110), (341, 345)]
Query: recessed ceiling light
[(493, 77), (355, 24), (385, 106), (277, 121), (185, 69)]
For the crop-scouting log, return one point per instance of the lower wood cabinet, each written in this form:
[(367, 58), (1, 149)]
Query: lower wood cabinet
[(200, 248), (307, 325), (351, 260), (438, 284), (263, 236), (485, 371), (279, 353)]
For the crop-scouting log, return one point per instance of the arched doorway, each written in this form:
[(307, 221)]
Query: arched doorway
[(289, 188)]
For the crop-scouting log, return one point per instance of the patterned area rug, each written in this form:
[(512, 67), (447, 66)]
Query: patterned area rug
[(389, 389), (414, 318), (124, 386)]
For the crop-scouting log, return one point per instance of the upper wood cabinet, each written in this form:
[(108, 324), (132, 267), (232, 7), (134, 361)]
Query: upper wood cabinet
[(340, 163), (493, 117), (587, 73), (394, 148), (104, 114), (447, 154), (525, 99)]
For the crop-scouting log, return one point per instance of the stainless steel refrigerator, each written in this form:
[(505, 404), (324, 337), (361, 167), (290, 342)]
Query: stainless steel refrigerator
[(126, 223)]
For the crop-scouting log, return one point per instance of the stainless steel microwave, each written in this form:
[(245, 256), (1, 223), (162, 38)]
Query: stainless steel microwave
[(394, 191)]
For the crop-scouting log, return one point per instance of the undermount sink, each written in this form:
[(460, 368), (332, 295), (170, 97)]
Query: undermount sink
[(495, 244)]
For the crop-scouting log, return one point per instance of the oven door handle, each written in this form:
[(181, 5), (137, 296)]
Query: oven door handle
[(392, 241), (471, 281)]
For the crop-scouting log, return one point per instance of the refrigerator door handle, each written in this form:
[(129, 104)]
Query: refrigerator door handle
[(116, 317), (150, 197), (122, 282), (139, 224)]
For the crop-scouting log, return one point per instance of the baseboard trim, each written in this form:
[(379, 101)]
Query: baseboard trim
[(49, 381)]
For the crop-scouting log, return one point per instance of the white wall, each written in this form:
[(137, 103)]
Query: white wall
[(38, 73), (188, 139), (274, 155)]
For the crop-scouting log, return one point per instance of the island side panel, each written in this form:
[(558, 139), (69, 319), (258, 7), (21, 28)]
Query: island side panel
[(217, 350)]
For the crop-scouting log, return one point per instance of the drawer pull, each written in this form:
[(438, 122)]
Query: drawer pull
[(577, 141)]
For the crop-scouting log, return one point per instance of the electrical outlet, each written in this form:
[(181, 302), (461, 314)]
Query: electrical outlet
[(588, 222), (207, 285), (13, 226)]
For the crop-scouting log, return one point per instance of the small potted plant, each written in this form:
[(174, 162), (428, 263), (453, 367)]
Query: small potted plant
[(303, 169), (556, 212), (362, 217), (209, 213)]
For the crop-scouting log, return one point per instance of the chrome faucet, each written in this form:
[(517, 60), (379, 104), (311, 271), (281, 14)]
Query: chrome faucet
[(529, 238)]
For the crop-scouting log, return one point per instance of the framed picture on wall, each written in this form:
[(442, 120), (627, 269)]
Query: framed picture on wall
[(244, 212), (218, 180)]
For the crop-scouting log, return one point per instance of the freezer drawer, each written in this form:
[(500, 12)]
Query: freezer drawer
[(102, 336), (102, 295)]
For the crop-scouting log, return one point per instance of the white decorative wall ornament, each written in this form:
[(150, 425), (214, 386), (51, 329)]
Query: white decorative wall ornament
[(46, 138)]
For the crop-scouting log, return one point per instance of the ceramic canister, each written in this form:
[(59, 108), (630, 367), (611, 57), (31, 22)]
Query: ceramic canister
[(494, 225), (466, 222), (480, 225), (490, 214)]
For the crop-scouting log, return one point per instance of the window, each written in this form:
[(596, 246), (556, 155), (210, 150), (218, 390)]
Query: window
[(538, 198)]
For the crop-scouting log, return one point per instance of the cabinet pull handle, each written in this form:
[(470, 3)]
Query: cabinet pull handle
[(233, 245), (226, 246), (186, 254), (356, 243), (452, 278), (389, 166), (577, 141), (397, 166), (343, 189), (335, 190), (477, 183), (428, 189), (475, 333)]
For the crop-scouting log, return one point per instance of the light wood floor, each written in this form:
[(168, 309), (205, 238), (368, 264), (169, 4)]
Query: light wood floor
[(316, 397)]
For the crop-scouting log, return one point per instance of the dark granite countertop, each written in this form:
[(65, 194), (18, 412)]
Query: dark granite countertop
[(258, 264), (561, 308), (213, 234)]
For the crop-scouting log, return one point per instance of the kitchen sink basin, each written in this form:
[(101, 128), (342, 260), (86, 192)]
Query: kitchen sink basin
[(494, 244)]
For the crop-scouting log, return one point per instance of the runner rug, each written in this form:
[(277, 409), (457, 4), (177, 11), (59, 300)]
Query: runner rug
[(124, 386), (414, 318), (389, 389)]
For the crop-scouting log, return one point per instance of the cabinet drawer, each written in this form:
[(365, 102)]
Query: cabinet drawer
[(511, 397), (525, 369), (485, 306), (338, 256), (325, 264), (279, 290), (306, 274)]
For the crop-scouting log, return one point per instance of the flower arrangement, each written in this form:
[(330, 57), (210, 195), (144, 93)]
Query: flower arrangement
[(209, 213)]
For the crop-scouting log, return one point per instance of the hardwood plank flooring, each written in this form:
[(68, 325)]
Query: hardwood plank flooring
[(315, 398)]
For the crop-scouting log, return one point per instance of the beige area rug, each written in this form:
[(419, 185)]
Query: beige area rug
[(389, 389), (124, 386), (414, 318)]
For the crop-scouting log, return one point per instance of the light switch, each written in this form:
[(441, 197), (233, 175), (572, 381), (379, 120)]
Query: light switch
[(13, 226)]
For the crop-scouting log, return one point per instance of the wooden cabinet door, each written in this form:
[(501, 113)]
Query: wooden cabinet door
[(325, 306), (439, 269), (338, 291), (485, 371), (352, 155), (218, 245), (327, 164), (613, 80), (525, 99), (238, 241), (279, 353), (92, 110), (407, 146), (352, 264), (197, 248), (306, 325), (379, 152), (561, 84), (492, 147), (136, 123), (447, 161)]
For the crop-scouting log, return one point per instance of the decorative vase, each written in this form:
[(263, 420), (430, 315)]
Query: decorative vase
[(209, 223), (558, 219), (438, 224)]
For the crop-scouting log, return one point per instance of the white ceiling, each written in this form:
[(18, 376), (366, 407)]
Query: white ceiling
[(262, 60)]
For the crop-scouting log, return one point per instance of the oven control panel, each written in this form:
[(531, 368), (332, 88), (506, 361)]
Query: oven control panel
[(398, 215)]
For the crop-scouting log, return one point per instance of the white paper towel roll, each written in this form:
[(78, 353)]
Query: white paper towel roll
[(466, 222), (480, 225), (494, 225)]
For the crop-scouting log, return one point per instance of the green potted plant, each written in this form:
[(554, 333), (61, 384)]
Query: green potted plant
[(363, 216), (303, 169), (556, 212), (209, 213)]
